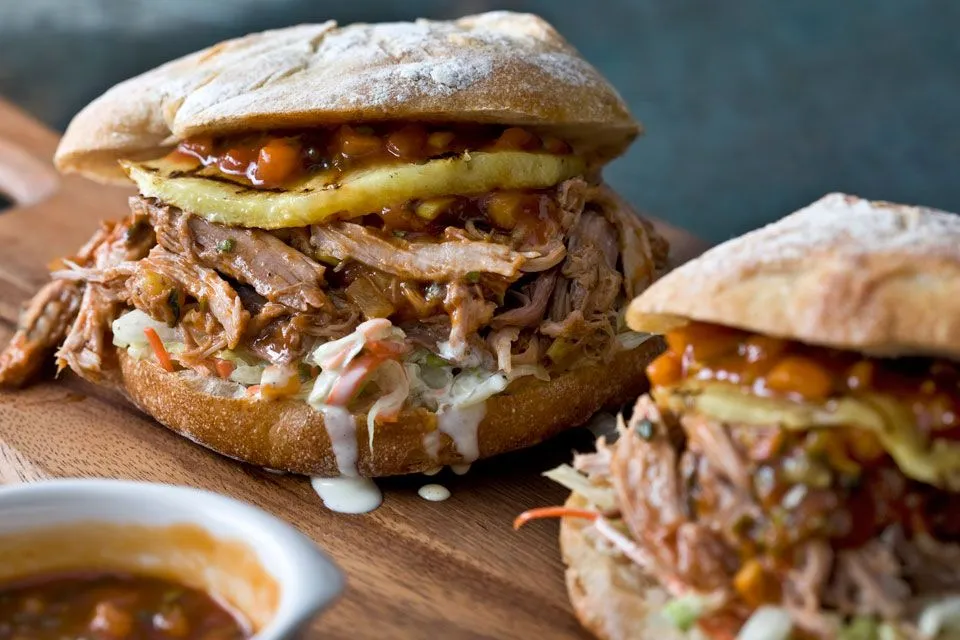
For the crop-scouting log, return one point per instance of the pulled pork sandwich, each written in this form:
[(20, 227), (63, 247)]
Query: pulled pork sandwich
[(795, 471), (369, 250)]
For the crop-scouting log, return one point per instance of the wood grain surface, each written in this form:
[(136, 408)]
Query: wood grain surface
[(415, 569)]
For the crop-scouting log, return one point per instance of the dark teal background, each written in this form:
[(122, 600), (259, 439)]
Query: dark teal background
[(752, 107)]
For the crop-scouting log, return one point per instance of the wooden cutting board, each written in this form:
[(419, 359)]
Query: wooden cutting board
[(453, 569)]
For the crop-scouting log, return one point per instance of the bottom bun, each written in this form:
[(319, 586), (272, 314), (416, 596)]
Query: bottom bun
[(289, 435), (611, 596)]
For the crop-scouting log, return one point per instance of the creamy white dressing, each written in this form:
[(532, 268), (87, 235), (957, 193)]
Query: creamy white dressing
[(433, 472), (348, 495), (342, 429), (461, 424), (431, 444), (460, 469), (434, 492)]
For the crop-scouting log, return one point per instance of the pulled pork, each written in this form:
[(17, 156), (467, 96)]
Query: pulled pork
[(43, 326), (418, 260), (46, 319), (544, 288), (86, 344), (715, 512), (274, 269)]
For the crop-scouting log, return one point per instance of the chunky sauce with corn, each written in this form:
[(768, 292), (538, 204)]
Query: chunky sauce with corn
[(275, 159), (112, 606)]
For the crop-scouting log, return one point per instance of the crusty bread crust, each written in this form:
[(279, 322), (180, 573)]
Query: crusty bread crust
[(611, 597), (844, 272), (290, 436), (499, 67)]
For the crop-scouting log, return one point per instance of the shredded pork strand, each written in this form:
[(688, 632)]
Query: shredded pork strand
[(199, 281), (274, 269), (468, 312), (501, 343), (644, 252), (87, 344), (713, 439), (51, 314), (805, 584), (591, 265), (867, 581), (43, 326), (415, 260), (535, 298)]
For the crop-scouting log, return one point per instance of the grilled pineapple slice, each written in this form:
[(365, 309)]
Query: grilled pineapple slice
[(345, 195), (892, 421)]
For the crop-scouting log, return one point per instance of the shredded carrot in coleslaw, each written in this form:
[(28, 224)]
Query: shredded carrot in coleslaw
[(387, 348), (163, 356), (553, 512), (224, 368), (350, 381)]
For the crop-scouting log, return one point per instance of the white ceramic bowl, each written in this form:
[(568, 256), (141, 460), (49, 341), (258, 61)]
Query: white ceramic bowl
[(236, 541)]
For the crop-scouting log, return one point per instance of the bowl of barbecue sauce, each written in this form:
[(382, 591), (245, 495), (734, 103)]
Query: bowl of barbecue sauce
[(116, 560)]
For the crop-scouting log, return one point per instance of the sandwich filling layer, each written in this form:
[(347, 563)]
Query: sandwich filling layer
[(415, 302), (296, 178), (780, 490)]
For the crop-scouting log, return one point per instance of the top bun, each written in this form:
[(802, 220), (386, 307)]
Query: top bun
[(844, 272), (500, 68)]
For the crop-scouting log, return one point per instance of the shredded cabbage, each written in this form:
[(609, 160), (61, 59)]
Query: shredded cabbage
[(940, 618), (321, 389), (767, 623), (448, 352), (337, 354), (888, 632), (473, 386), (128, 330), (334, 357), (431, 376), (535, 370), (683, 612), (423, 376), (860, 628), (602, 498), (630, 340), (434, 385), (139, 351), (244, 372), (390, 375)]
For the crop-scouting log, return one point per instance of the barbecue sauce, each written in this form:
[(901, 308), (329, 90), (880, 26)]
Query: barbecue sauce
[(768, 366), (273, 159)]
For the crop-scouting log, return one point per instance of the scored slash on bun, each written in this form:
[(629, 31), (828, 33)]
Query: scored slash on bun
[(289, 435), (501, 68), (844, 272)]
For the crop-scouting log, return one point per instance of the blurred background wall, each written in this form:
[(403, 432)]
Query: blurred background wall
[(752, 107)]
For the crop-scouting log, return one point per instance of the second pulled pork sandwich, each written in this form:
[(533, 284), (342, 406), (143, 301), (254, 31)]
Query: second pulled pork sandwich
[(795, 470), (372, 249)]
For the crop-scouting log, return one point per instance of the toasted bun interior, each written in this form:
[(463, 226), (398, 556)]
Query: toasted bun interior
[(291, 436), (500, 68), (844, 272)]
